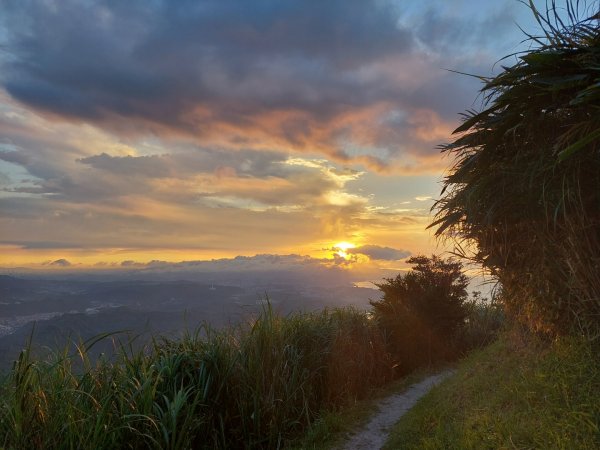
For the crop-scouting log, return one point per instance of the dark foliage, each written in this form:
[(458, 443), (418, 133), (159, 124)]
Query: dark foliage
[(484, 321), (524, 190), (423, 311)]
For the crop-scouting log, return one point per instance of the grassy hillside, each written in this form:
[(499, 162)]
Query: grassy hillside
[(260, 385), (519, 393)]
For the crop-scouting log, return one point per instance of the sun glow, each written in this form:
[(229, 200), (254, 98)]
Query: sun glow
[(341, 249)]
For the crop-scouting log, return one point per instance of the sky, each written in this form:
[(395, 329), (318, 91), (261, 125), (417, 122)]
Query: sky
[(155, 132)]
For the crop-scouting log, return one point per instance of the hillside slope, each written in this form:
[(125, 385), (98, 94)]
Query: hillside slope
[(520, 392)]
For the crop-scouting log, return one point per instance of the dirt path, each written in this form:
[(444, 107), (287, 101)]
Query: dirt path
[(374, 434)]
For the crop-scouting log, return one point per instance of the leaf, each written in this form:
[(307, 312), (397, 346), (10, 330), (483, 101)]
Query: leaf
[(446, 221), (546, 57), (558, 83), (589, 93), (472, 121), (573, 148)]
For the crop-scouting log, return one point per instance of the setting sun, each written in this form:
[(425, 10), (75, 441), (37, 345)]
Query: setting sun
[(341, 249)]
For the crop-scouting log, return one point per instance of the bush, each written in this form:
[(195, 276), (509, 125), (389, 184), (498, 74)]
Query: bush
[(423, 311), (484, 320), (524, 190)]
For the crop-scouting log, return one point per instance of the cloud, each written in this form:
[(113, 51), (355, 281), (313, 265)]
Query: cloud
[(60, 263), (41, 245), (64, 168), (228, 67), (147, 224), (130, 263), (62, 165), (268, 268), (251, 263), (226, 127), (377, 252), (284, 76), (444, 29), (69, 195), (190, 161)]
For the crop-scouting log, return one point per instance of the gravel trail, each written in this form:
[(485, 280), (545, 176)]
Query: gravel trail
[(374, 434)]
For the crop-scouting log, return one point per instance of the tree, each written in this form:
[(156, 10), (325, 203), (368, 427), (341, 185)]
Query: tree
[(423, 310), (524, 190)]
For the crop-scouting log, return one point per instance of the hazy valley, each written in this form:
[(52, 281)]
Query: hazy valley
[(73, 307)]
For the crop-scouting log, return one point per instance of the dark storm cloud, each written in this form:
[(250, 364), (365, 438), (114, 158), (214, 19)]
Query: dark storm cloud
[(289, 75), (156, 60)]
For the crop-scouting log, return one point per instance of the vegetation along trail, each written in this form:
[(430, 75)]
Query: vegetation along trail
[(375, 432)]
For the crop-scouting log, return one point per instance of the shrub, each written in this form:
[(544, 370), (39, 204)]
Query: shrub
[(422, 311), (484, 320)]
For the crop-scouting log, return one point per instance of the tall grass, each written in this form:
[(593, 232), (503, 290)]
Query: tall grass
[(252, 386), (521, 392), (525, 184)]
